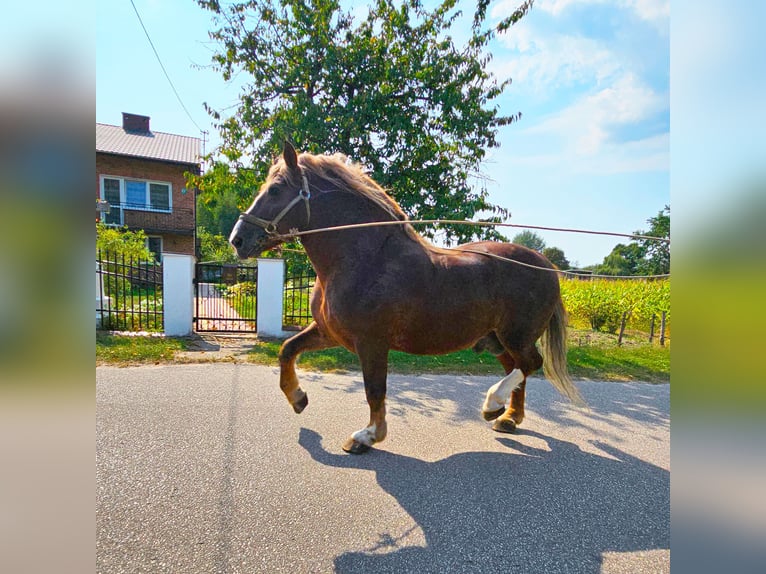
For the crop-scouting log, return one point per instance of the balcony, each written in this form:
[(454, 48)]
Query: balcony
[(180, 220)]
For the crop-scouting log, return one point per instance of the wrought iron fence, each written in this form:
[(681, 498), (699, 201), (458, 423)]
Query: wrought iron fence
[(129, 293), (295, 303)]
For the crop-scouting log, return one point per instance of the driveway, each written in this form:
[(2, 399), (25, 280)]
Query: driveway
[(216, 314), (205, 468)]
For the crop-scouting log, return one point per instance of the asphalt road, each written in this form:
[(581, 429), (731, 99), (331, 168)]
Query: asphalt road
[(205, 468)]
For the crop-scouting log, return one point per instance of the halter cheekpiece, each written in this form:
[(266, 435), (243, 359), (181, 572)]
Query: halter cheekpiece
[(270, 226)]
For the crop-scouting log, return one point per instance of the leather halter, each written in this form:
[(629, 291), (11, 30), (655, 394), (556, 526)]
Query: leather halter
[(270, 226)]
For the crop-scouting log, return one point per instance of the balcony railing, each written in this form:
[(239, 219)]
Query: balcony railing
[(178, 220)]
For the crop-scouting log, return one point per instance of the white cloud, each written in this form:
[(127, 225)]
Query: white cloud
[(653, 11), (581, 137), (644, 155), (549, 62), (590, 122), (604, 128)]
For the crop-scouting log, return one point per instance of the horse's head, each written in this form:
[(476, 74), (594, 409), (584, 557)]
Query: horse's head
[(282, 204)]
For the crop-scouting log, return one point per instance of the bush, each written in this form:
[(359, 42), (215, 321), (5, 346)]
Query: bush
[(121, 242)]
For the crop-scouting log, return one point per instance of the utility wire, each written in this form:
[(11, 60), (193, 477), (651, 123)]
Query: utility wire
[(180, 101), (474, 223)]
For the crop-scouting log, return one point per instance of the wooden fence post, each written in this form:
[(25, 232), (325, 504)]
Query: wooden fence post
[(662, 329), (651, 328), (622, 327)]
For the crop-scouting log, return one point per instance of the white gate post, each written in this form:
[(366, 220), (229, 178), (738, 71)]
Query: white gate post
[(102, 301), (271, 281), (178, 293)]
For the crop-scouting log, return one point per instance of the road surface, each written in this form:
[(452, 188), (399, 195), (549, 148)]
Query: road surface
[(205, 468)]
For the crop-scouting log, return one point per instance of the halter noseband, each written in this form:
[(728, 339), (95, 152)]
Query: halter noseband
[(270, 227)]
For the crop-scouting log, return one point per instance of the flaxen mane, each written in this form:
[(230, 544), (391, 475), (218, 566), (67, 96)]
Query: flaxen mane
[(346, 176), (336, 170)]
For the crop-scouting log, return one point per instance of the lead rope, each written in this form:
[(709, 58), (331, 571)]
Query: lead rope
[(305, 195)]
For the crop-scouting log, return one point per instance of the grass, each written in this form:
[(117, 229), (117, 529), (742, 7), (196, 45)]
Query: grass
[(591, 356), (650, 363), (339, 359), (139, 349)]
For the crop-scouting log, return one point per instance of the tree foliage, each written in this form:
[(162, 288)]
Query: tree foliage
[(222, 194), (657, 252), (557, 257), (214, 247), (530, 239), (391, 90)]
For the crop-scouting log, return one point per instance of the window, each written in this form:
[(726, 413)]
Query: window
[(154, 243), (159, 196), (111, 193), (134, 194)]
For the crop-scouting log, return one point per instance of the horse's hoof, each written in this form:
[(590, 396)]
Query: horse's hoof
[(355, 447), (301, 404), (504, 425), (492, 415)]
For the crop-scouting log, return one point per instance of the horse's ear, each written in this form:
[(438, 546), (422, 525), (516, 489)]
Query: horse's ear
[(290, 156)]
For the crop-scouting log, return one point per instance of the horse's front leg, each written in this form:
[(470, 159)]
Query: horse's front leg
[(310, 339), (374, 371)]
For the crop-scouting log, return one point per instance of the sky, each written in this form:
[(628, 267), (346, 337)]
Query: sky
[(590, 77)]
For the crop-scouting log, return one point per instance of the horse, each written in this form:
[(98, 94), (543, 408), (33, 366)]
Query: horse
[(384, 287)]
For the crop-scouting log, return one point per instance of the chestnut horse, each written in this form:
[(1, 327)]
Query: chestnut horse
[(385, 287)]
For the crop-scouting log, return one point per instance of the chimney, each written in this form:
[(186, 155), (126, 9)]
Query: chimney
[(135, 123)]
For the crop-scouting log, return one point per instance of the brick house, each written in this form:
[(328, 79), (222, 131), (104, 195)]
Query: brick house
[(140, 173)]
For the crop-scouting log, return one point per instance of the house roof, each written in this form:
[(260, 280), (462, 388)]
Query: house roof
[(151, 145)]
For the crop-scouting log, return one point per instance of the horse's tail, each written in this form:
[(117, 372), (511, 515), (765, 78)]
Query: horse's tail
[(554, 347)]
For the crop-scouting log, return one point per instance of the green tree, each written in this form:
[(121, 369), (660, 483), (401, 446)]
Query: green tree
[(214, 247), (392, 91), (222, 193), (623, 260), (530, 239), (657, 253), (557, 257), (641, 256)]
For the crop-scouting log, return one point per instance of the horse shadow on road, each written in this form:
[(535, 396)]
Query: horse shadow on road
[(527, 510)]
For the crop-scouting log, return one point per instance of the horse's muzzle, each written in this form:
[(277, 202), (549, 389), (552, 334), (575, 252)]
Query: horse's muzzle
[(247, 240), (251, 240)]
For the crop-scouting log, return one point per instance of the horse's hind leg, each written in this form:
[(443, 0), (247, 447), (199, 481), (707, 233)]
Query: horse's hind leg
[(497, 395), (310, 339), (528, 362), (494, 404)]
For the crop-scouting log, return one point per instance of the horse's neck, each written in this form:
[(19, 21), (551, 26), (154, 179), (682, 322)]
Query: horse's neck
[(343, 250)]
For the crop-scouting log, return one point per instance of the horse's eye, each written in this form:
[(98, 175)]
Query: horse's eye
[(273, 190)]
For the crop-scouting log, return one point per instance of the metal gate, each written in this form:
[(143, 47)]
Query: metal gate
[(225, 298)]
